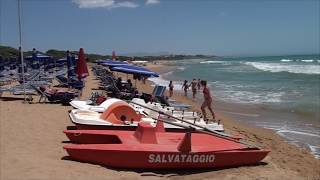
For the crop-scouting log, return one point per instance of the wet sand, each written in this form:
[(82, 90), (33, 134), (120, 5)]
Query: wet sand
[(31, 141)]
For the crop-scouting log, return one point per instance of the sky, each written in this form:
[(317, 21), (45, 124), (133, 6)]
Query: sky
[(212, 27)]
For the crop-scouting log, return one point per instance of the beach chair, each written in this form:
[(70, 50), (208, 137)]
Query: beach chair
[(158, 91), (63, 97), (158, 96), (113, 91), (63, 82)]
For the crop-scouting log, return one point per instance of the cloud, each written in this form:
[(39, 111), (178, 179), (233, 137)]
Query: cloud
[(108, 4), (148, 2)]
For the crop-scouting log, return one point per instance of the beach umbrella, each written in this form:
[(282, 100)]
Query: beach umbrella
[(70, 66), (65, 60), (81, 67), (132, 69), (135, 70), (111, 63), (37, 58)]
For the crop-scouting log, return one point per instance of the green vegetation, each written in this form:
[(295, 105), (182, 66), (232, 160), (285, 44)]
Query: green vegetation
[(8, 52)]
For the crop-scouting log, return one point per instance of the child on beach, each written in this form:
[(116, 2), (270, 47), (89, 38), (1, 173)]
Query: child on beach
[(207, 101), (170, 89), (194, 88), (185, 87)]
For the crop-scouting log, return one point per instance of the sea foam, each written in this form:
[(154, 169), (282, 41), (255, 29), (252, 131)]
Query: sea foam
[(212, 62), (307, 60), (292, 68), (163, 82), (286, 60)]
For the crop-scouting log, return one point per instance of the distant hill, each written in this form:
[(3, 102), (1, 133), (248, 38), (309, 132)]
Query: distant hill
[(8, 52)]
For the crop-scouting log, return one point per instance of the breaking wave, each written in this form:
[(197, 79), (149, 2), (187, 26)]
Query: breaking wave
[(300, 60), (164, 82), (212, 62), (181, 68), (286, 60), (307, 60), (292, 68)]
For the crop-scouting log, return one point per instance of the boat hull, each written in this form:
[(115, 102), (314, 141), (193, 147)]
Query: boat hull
[(126, 128), (128, 149), (166, 160)]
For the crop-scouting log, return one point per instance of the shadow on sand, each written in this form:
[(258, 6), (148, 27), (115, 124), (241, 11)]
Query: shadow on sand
[(11, 98)]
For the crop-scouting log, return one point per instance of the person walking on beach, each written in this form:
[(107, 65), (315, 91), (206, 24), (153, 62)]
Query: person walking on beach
[(194, 88), (199, 84), (207, 101), (185, 87), (170, 89)]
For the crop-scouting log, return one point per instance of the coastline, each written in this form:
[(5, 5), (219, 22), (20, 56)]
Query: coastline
[(31, 141), (263, 137), (285, 122)]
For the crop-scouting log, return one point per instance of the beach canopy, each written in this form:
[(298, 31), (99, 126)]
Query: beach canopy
[(132, 69), (81, 66), (65, 60), (99, 61), (111, 63), (38, 56)]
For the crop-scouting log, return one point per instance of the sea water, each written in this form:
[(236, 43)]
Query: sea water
[(276, 92)]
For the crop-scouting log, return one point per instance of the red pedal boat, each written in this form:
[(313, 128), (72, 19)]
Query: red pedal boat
[(152, 148)]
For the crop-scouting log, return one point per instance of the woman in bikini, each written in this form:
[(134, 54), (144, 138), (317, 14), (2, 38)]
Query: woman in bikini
[(185, 87), (207, 101), (170, 89), (194, 88)]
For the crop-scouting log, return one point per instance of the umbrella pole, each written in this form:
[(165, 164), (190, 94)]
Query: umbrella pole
[(21, 52), (55, 65)]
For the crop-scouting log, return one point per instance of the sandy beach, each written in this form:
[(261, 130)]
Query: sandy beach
[(31, 141)]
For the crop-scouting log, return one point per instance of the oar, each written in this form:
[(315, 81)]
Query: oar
[(202, 130)]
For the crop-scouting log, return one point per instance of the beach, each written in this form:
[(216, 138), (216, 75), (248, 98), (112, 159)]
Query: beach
[(31, 141)]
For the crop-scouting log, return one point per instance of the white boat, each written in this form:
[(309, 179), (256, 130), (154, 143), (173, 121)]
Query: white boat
[(119, 113), (86, 105)]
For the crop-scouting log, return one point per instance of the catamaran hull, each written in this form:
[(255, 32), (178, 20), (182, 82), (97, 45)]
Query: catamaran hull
[(165, 160)]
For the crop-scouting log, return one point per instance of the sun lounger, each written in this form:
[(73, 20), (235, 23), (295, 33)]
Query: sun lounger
[(158, 91), (158, 96), (64, 82), (56, 95)]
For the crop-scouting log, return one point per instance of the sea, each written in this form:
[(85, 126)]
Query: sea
[(281, 93)]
